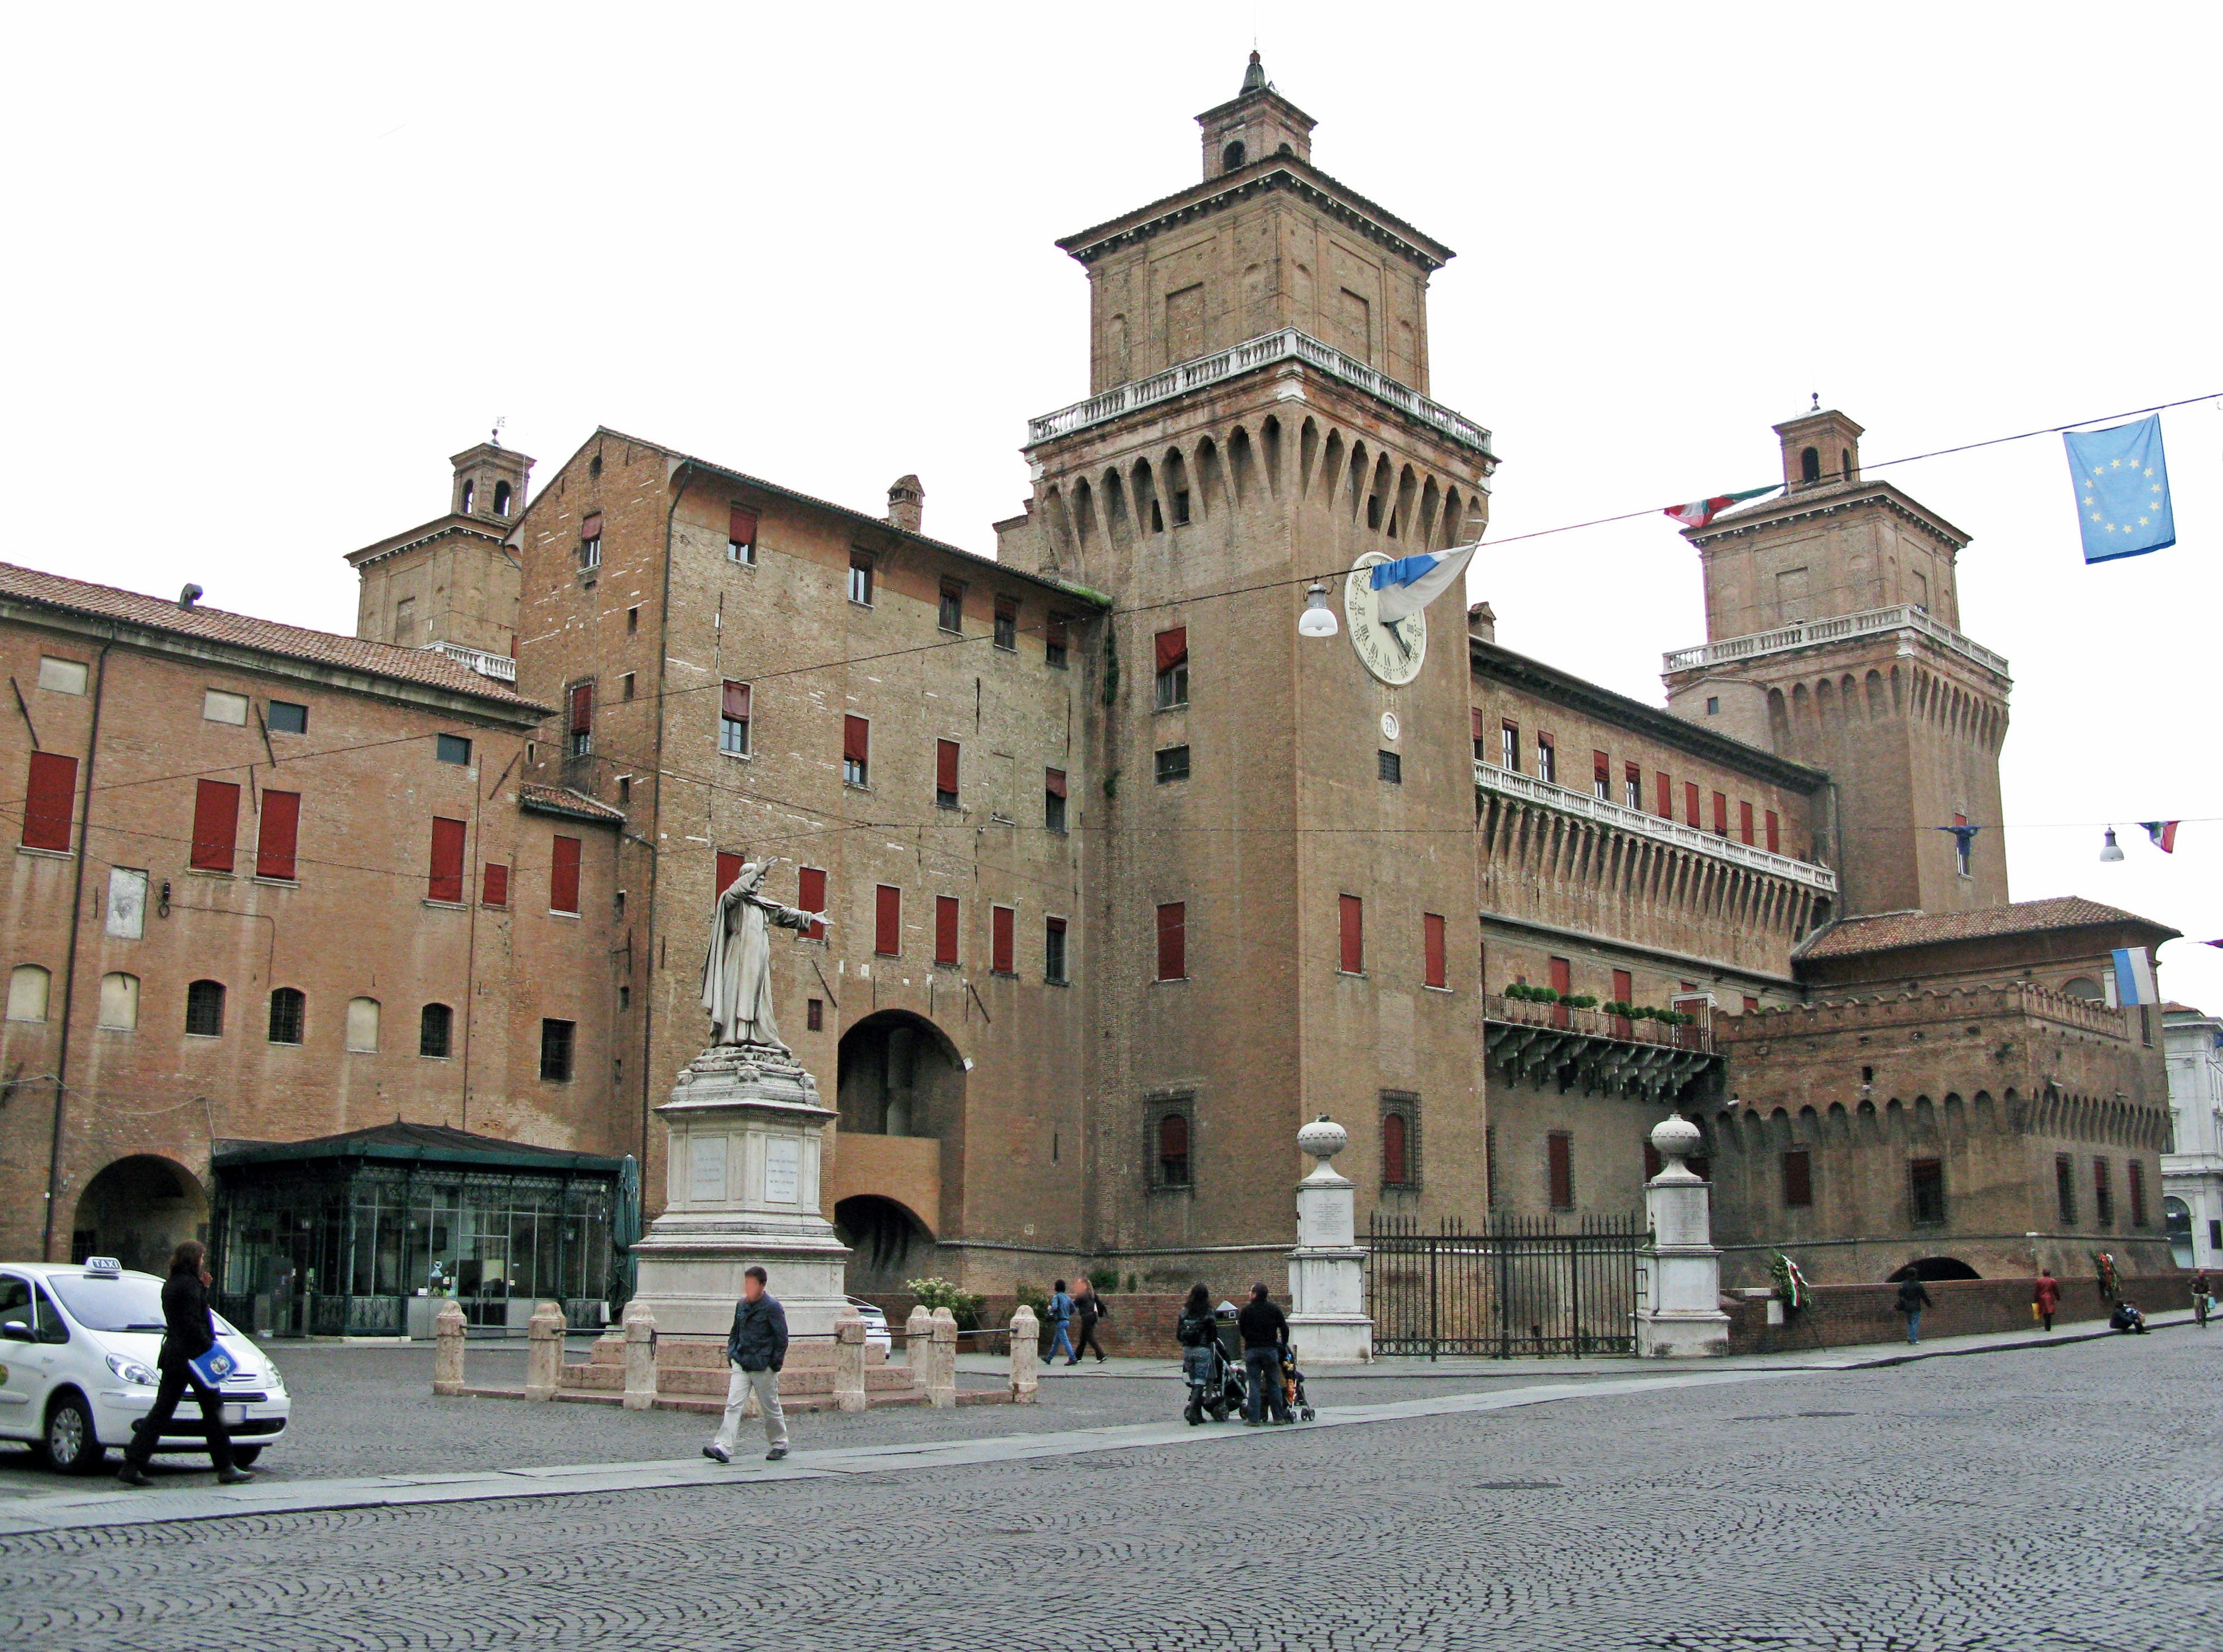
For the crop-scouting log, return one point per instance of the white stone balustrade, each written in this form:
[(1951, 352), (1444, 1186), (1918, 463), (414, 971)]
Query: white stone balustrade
[(1872, 622)]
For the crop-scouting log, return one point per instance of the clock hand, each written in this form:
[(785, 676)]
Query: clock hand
[(1390, 625)]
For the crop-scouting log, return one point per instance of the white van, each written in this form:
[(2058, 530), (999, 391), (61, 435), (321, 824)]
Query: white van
[(78, 1345)]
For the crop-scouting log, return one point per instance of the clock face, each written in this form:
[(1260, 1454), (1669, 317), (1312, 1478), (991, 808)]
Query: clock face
[(1392, 653)]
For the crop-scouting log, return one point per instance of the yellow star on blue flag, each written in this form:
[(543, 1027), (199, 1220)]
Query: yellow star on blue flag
[(2122, 489)]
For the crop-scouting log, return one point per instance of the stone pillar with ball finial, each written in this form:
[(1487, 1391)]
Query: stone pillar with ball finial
[(1328, 1271), (1681, 1315)]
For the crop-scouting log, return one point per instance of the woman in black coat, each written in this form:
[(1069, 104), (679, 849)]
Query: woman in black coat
[(189, 1331)]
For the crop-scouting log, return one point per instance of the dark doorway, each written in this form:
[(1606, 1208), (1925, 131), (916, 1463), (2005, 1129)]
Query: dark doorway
[(899, 1077), (888, 1243), (1933, 1268)]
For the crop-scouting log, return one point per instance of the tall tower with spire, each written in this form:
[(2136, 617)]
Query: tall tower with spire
[(1259, 419), (1833, 619)]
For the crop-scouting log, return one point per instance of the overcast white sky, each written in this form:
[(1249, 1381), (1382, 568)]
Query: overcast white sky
[(269, 265)]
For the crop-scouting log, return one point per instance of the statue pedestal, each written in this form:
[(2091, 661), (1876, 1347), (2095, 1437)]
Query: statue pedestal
[(745, 1134), (1681, 1316), (1328, 1324)]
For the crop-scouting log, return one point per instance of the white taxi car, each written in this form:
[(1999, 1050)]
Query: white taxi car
[(78, 1345)]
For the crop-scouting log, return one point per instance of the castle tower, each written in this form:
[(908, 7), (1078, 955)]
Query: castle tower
[(1259, 346), (452, 583), (1832, 623)]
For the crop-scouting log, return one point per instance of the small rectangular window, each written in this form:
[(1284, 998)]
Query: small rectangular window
[(2064, 1189), (633, 622), (62, 676), (952, 616), (1774, 834), (1054, 800), (1751, 1005), (945, 774), (860, 579), (581, 728), (740, 535), (279, 835), (1434, 962), (1547, 760), (216, 826), (556, 1050), (1054, 642), (887, 920), (1172, 660), (1172, 1155), (286, 717), (1180, 506), (810, 896), (217, 706), (1797, 1179), (856, 751), (445, 882), (1054, 950), (591, 541), (1007, 623), (1744, 821), (1173, 763), (1508, 747), (50, 804), (1927, 1188), (494, 885), (1559, 1167), (1003, 940), (814, 1014), (1481, 745), (1389, 766), (2103, 1195), (1350, 914), (1173, 940), (2134, 1173), (625, 685), (1631, 795), (734, 710), (451, 748), (564, 875), (946, 916), (1601, 776)]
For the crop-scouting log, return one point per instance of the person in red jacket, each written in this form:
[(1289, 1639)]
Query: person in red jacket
[(2046, 1299)]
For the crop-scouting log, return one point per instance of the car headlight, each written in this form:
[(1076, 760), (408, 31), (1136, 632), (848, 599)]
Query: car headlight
[(133, 1372), (277, 1376)]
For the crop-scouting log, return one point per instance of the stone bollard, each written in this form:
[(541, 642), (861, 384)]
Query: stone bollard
[(640, 1356), (849, 1363), (1026, 1380), (448, 1349), (918, 1342), (544, 1353), (942, 1369)]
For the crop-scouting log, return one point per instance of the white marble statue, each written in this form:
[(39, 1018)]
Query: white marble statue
[(737, 972)]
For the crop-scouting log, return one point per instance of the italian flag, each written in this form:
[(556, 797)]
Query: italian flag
[(1699, 511)]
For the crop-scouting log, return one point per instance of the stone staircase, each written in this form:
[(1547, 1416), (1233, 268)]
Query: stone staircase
[(691, 1375)]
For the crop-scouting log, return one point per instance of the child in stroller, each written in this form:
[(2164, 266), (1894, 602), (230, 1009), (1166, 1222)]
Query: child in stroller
[(1214, 1377), (1292, 1384)]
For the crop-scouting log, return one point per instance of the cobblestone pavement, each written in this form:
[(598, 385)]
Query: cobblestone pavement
[(2069, 1499)]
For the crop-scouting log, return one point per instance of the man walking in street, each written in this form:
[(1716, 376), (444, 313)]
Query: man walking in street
[(1265, 1333), (2046, 1299), (2200, 1292), (756, 1348), (1088, 1308), (1912, 1299), (1061, 1317)]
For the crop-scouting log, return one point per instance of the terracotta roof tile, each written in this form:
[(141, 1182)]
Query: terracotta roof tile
[(562, 800), (425, 666), (1887, 930)]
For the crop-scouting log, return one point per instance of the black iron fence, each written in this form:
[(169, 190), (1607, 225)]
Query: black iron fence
[(1517, 1286)]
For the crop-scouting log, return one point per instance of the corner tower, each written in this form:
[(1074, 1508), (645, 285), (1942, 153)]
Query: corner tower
[(452, 583), (1270, 818), (1832, 624)]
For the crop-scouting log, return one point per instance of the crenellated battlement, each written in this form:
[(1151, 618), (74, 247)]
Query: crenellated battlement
[(1915, 1009)]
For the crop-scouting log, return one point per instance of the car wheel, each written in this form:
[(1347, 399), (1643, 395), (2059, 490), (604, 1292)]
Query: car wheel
[(71, 1443), (245, 1455)]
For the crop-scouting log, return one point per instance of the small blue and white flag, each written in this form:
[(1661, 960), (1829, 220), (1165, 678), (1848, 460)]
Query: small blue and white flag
[(2122, 490), (1411, 583), (2132, 980)]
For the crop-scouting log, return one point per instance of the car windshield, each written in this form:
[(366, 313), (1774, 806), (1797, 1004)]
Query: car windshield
[(130, 1303)]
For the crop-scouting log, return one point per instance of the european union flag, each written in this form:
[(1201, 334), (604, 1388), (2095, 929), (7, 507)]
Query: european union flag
[(2122, 490)]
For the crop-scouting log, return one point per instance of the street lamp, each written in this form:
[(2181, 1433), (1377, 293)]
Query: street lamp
[(2110, 851), (1318, 618)]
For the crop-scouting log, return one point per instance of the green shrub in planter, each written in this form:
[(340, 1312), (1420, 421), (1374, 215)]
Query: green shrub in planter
[(935, 1292), (1580, 1000)]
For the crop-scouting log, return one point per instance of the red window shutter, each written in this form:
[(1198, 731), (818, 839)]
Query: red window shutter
[(856, 739), (810, 896), (887, 920), (1393, 1149), (1432, 952), (50, 800), (1751, 1005), (1054, 781), (1774, 846), (1352, 915), (730, 868), (1667, 797), (564, 875), (945, 766), (1601, 768), (583, 707), (1691, 802), (1476, 712), (1173, 941), (592, 527), (494, 885), (1624, 987), (736, 702), (446, 882), (1001, 951), (1560, 1150), (216, 826), (1172, 647), (1744, 821), (945, 929), (742, 526), (1721, 814), (275, 843)]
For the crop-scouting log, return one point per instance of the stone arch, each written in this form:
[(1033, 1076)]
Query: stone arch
[(138, 1209), (1150, 515), (1269, 448), (1898, 692), (889, 1242), (1355, 488), (1307, 452), (1331, 467), (1424, 529), (1084, 516), (898, 1074), (1173, 466), (1211, 478), (1931, 1269), (1242, 475), (1401, 515), (1119, 524), (1849, 696)]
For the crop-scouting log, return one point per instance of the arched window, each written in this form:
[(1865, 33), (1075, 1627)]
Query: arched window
[(501, 499), (362, 1024), (204, 1009), (470, 493), (119, 1002), (2083, 986), (1810, 466), (1173, 1150), (434, 1029), (27, 993), (1396, 1171), (1231, 157), (1844, 464), (289, 1013)]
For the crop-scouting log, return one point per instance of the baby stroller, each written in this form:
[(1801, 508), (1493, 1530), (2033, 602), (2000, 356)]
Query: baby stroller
[(1293, 1386), (1214, 1377)]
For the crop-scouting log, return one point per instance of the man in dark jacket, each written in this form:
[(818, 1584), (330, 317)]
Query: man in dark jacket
[(1912, 1299), (756, 1348), (188, 1332), (1265, 1332)]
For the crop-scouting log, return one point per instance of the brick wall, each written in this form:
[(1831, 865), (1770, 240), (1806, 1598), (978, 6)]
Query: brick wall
[(1846, 1315)]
